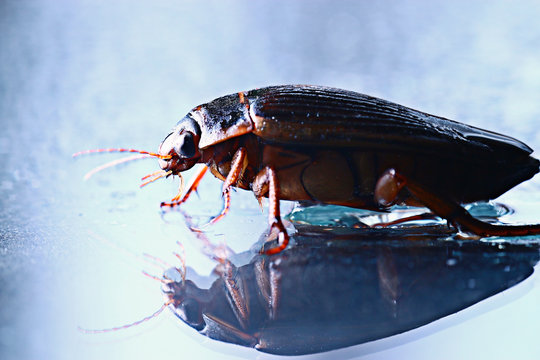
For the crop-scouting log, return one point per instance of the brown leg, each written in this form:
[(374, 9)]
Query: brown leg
[(268, 277), (238, 166), (266, 182), (391, 182), (228, 272), (196, 180), (237, 292), (424, 216)]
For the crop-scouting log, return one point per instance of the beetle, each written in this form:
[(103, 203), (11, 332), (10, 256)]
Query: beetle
[(340, 287), (333, 146)]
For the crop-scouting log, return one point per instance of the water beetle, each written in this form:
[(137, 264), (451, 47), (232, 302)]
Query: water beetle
[(335, 146)]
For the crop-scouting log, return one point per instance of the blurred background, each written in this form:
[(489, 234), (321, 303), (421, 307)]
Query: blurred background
[(76, 75)]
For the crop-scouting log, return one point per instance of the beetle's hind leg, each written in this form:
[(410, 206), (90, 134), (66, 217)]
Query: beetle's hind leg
[(266, 182), (392, 182), (424, 216)]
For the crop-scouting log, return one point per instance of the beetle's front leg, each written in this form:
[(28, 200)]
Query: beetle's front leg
[(392, 182), (178, 199), (266, 182)]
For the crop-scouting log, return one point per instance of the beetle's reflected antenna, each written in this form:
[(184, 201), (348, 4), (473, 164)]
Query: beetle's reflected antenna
[(138, 322)]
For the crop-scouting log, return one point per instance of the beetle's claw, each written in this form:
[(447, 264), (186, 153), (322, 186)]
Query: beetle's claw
[(260, 200), (283, 238), (170, 205)]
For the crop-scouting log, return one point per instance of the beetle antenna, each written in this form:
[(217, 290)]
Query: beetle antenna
[(97, 169), (95, 151), (138, 322)]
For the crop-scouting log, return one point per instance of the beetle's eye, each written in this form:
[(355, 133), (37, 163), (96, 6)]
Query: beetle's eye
[(185, 147)]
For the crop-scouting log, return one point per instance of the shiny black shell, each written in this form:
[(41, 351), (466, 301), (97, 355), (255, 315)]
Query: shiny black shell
[(335, 131)]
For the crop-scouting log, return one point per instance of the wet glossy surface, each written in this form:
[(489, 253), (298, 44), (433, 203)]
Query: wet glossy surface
[(82, 75)]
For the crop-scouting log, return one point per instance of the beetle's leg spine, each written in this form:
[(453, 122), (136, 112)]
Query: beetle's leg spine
[(238, 166)]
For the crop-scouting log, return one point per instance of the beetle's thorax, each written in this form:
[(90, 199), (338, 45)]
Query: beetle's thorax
[(189, 301), (218, 158), (222, 119)]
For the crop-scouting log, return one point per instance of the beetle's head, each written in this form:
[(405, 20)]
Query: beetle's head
[(182, 144), (188, 301)]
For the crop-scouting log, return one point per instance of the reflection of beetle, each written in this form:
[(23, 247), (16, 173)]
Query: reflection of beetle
[(339, 147), (324, 294)]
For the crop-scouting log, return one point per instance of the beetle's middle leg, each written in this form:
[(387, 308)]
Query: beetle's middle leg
[(392, 182), (266, 183), (239, 164)]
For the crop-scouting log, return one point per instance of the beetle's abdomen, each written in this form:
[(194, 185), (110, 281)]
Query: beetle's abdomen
[(330, 176), (348, 176)]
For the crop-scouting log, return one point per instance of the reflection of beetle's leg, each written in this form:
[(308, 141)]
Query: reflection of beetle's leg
[(268, 280), (193, 187), (275, 288), (392, 182), (218, 329), (389, 284), (239, 164), (236, 293), (266, 182), (263, 283)]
